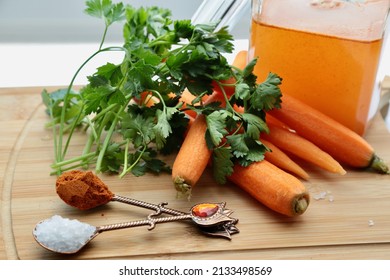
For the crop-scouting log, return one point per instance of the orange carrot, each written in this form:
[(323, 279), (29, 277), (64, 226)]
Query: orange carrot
[(342, 143), (147, 99), (302, 148), (273, 187), (192, 158), (277, 157), (274, 121), (187, 98), (241, 59)]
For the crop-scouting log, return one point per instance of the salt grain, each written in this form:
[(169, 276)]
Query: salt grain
[(320, 195), (62, 234), (370, 223)]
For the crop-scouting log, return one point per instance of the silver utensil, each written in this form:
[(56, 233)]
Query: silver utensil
[(211, 218)]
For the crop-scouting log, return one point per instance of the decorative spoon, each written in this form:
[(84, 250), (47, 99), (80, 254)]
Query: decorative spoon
[(84, 190), (65, 236)]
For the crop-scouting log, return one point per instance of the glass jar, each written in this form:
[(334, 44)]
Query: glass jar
[(327, 52)]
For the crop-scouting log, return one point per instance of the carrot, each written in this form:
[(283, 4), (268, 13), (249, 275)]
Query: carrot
[(339, 141), (241, 59), (147, 99), (277, 157), (187, 97), (284, 139), (192, 158), (273, 187), (302, 148), (274, 121)]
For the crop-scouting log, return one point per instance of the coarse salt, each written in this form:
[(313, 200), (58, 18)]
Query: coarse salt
[(320, 195), (63, 235)]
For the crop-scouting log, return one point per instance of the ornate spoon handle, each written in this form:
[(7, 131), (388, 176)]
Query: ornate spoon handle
[(211, 218), (159, 208), (149, 221)]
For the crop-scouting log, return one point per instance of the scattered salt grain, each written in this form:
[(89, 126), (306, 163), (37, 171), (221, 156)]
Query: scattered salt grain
[(320, 195), (63, 235), (370, 223)]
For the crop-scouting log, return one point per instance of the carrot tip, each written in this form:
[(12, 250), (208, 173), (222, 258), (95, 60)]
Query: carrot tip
[(301, 204), (183, 189), (379, 165), (342, 172)]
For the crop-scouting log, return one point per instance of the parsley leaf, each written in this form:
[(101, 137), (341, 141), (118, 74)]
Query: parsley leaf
[(268, 93), (216, 126), (106, 10), (222, 164), (239, 147), (163, 129), (255, 125)]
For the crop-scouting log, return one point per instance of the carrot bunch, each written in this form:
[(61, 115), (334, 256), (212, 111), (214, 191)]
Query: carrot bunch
[(295, 129)]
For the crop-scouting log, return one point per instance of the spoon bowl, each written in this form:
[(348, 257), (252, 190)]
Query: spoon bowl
[(62, 235)]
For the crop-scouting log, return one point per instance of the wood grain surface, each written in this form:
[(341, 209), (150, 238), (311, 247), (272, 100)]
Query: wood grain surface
[(352, 221)]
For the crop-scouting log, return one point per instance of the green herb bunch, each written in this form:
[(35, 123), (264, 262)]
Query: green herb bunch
[(161, 57)]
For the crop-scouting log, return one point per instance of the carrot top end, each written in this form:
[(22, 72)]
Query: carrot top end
[(182, 187), (300, 204), (379, 165)]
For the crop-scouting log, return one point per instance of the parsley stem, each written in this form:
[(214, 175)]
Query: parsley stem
[(97, 131), (226, 98), (73, 127), (103, 37), (93, 135), (61, 153), (72, 160), (78, 165), (159, 97), (107, 140), (126, 158), (53, 130), (103, 112), (128, 169)]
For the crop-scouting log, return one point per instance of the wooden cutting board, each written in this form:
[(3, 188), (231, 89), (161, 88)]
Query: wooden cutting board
[(351, 221)]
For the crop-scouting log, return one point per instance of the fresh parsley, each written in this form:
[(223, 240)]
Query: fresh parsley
[(162, 57)]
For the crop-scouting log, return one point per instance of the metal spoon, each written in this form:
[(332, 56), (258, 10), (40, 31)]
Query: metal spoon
[(159, 208), (87, 196), (212, 219)]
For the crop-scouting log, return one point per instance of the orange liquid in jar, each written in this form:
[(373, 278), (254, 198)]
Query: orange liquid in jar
[(334, 75)]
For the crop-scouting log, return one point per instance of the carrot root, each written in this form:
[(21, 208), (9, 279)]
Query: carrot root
[(339, 141), (283, 161), (302, 148), (192, 158), (273, 187), (300, 204), (182, 187), (379, 165)]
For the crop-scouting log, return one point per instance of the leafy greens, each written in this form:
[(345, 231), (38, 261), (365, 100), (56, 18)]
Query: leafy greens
[(161, 57)]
